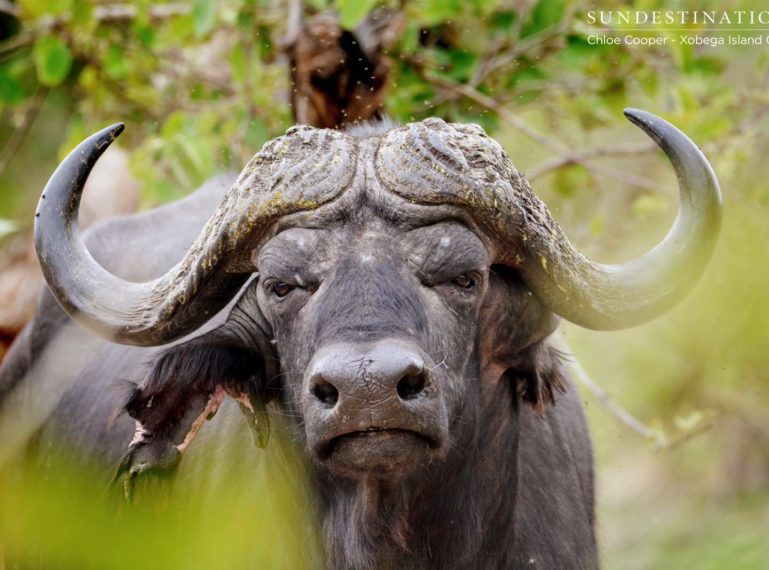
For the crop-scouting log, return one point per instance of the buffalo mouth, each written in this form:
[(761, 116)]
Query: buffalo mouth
[(378, 449)]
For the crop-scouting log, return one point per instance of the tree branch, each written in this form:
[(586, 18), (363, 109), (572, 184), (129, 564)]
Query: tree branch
[(566, 155), (20, 132), (9, 8), (614, 409), (126, 12), (582, 156), (293, 21), (621, 414), (493, 105)]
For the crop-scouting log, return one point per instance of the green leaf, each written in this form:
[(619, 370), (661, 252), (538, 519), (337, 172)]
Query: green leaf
[(545, 14), (145, 34), (571, 180), (203, 16), (462, 64), (434, 12), (689, 421), (650, 204), (351, 12), (11, 91), (34, 9), (82, 13), (114, 62), (597, 226), (53, 60), (503, 21), (239, 63)]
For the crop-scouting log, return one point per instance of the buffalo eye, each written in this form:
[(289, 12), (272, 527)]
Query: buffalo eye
[(280, 288), (465, 281)]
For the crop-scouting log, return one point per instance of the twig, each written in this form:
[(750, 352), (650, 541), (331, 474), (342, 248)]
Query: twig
[(611, 406), (105, 14), (293, 21), (621, 414), (20, 133), (524, 46), (123, 12), (566, 156), (493, 105), (626, 178), (7, 7), (580, 157), (687, 435)]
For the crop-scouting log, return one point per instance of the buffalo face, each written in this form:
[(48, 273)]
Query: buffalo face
[(375, 328)]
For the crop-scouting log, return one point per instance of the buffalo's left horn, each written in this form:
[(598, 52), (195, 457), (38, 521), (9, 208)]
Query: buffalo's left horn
[(299, 171), (606, 297)]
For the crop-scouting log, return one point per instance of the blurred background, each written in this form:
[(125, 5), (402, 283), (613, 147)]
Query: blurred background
[(679, 408)]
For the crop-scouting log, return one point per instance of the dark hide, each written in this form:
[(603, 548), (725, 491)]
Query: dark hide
[(506, 480)]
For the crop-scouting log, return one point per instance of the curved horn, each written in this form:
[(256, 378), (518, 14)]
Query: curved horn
[(607, 297), (299, 171), (459, 165)]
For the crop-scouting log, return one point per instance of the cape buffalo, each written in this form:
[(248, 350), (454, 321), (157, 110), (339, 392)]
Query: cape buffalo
[(390, 290)]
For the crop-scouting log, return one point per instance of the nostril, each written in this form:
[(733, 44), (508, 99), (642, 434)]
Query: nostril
[(326, 393), (410, 386)]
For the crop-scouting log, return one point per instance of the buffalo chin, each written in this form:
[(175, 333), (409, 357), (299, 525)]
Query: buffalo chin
[(384, 451)]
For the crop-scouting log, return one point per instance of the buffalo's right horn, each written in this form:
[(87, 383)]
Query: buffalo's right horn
[(605, 297), (459, 165), (300, 171)]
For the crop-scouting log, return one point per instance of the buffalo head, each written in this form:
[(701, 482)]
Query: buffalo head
[(400, 274)]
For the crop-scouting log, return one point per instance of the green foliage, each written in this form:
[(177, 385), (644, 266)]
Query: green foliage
[(351, 12), (200, 90), (546, 13), (64, 514), (203, 16), (53, 60)]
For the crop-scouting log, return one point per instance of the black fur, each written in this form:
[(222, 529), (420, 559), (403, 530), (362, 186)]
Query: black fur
[(513, 485)]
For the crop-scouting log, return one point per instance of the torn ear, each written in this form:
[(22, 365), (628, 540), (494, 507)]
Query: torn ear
[(513, 345), (184, 389)]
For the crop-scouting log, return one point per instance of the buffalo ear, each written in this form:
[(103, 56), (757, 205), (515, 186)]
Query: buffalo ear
[(514, 326), (184, 388)]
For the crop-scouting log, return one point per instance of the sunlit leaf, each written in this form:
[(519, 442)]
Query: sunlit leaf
[(650, 204), (571, 180), (545, 14), (114, 62), (203, 16), (53, 60), (351, 12), (38, 8), (11, 90), (82, 13), (689, 421)]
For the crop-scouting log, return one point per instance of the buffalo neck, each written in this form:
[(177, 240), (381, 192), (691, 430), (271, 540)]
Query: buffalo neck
[(456, 512)]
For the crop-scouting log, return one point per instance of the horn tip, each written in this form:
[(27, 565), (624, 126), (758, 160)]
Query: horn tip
[(637, 116), (651, 124), (115, 130)]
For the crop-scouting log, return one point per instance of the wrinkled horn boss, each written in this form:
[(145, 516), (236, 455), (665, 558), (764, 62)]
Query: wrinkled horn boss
[(431, 162)]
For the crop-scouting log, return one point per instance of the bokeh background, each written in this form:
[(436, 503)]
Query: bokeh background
[(679, 408)]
